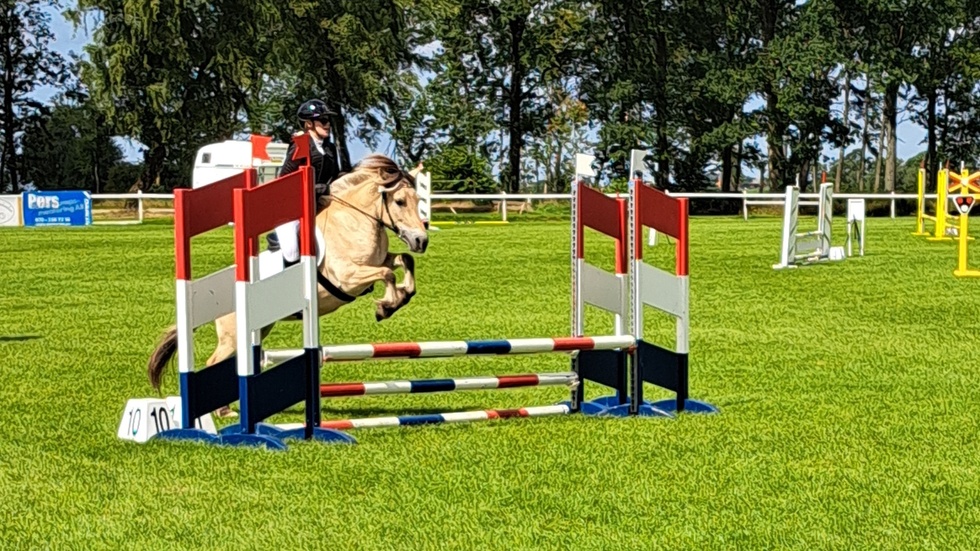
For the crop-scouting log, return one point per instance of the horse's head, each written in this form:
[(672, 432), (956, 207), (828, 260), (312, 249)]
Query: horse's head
[(388, 189)]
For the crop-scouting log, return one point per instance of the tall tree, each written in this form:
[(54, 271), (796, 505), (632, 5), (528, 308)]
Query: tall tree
[(70, 148), (794, 72), (506, 57), (625, 83), (715, 48), (957, 120), (353, 55), (176, 75), (28, 63)]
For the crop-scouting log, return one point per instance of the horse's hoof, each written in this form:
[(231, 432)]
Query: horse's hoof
[(383, 312)]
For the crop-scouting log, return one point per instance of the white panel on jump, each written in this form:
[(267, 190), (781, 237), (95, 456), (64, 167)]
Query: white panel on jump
[(662, 290), (211, 296), (270, 263), (602, 289), (855, 210), (583, 164), (279, 296)]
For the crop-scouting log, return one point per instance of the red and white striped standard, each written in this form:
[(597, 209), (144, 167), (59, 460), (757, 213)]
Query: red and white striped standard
[(652, 286)]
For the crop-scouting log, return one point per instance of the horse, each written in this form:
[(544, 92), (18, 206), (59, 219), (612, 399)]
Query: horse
[(375, 196)]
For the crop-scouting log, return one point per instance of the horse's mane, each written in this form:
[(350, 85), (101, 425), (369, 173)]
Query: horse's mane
[(368, 167)]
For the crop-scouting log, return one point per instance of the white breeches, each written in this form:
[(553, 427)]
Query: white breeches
[(288, 235)]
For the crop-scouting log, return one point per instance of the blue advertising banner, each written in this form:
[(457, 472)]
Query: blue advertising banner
[(57, 208)]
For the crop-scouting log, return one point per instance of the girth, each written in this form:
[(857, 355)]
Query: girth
[(333, 289)]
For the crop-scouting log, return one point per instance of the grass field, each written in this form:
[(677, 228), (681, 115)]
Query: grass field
[(849, 402)]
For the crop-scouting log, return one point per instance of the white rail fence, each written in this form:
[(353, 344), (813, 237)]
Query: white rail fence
[(748, 200)]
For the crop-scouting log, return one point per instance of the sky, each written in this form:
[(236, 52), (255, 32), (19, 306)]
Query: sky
[(910, 136)]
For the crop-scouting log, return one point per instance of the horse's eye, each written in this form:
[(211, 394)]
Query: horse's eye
[(400, 202)]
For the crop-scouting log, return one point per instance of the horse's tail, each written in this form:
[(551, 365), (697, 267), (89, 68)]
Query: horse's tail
[(161, 356)]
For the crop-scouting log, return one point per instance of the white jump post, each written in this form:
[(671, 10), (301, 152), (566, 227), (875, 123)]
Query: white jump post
[(423, 186), (808, 247), (855, 225)]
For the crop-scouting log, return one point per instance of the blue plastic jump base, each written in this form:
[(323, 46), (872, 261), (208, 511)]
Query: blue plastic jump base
[(273, 436), (593, 408), (690, 406)]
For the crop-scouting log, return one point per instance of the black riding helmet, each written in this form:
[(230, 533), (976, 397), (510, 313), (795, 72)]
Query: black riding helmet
[(314, 109)]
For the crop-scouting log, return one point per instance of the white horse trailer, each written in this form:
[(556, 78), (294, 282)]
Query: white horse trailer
[(217, 161)]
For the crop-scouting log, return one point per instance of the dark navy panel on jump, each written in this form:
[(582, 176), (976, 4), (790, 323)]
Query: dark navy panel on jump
[(662, 367), (487, 347), (274, 390), (606, 367), (210, 388)]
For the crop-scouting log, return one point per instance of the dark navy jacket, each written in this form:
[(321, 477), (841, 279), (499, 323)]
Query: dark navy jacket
[(325, 166)]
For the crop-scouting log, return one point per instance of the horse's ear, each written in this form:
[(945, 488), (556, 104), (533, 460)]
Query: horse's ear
[(415, 171), (390, 182), (390, 188)]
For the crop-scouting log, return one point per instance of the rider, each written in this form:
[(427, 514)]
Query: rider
[(314, 116)]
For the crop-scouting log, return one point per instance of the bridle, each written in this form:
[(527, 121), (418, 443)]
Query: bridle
[(379, 219)]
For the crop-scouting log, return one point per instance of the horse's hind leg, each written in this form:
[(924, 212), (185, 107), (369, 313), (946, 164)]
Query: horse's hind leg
[(225, 328), (226, 348)]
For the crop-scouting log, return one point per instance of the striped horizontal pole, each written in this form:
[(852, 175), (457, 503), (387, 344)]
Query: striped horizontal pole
[(437, 418), (448, 385), (447, 349)]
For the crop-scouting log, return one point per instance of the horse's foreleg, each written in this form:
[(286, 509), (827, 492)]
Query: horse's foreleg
[(406, 262), (366, 275)]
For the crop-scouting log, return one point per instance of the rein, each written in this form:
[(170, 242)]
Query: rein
[(378, 219)]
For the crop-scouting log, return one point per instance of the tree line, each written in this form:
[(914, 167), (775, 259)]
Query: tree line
[(500, 94)]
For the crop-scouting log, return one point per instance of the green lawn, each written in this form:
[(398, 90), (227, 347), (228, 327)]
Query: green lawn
[(849, 402)]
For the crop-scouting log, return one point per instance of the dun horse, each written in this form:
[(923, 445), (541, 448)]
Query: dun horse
[(376, 195)]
